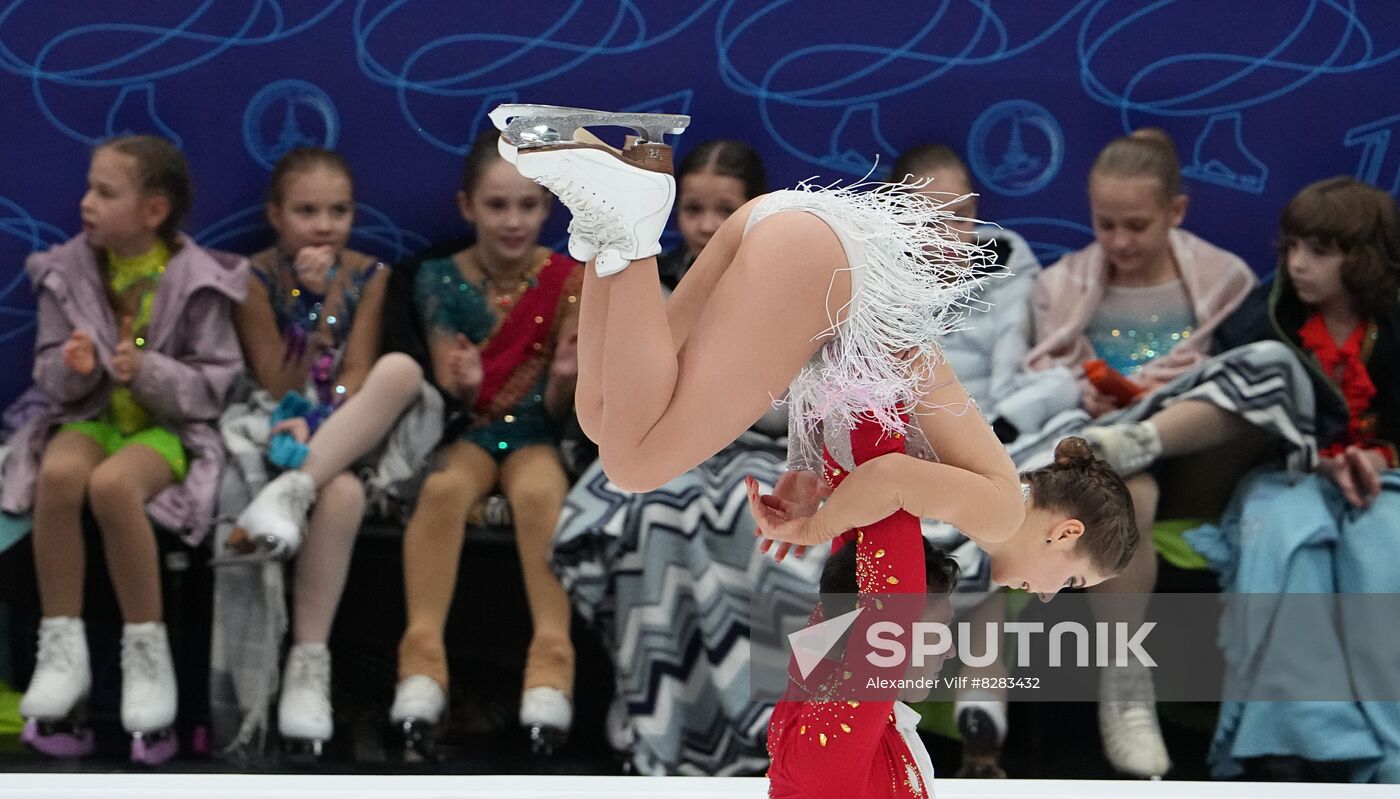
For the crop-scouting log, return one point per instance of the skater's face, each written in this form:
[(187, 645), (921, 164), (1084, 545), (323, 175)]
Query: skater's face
[(1132, 222), (1044, 556), (507, 210), (116, 213), (946, 183), (706, 200), (1316, 272), (316, 208)]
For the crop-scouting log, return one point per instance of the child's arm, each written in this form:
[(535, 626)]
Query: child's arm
[(51, 374), (362, 349), (563, 372), (192, 387), (263, 346)]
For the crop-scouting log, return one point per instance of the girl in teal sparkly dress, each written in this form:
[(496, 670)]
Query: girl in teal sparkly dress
[(501, 320)]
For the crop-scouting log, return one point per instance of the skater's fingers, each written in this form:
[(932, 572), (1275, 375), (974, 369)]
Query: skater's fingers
[(782, 552)]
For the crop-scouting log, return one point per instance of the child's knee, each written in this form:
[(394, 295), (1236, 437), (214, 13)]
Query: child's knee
[(110, 487), (343, 491), (400, 370)]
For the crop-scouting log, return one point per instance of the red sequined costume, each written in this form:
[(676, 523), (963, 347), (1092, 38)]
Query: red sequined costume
[(822, 743)]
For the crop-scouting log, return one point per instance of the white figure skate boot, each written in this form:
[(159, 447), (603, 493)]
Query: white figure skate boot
[(54, 705), (304, 716), (620, 199), (149, 693), (419, 706)]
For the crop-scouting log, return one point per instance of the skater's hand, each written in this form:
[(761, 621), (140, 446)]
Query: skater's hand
[(126, 358), (785, 521), (313, 265), (1357, 472), (297, 427), (464, 365), (804, 490), (79, 354), (565, 364)]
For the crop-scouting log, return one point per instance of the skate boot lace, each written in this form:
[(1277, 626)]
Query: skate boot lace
[(139, 657), (310, 674), (594, 218), (54, 653)]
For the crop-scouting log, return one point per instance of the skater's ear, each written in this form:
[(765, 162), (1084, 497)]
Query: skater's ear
[(464, 205)]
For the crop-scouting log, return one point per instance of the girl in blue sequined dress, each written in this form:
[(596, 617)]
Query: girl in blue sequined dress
[(310, 331)]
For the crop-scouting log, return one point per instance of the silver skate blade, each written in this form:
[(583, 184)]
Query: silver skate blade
[(268, 549), (539, 125)]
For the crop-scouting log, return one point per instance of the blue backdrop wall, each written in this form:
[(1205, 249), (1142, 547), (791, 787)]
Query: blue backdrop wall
[(1262, 98)]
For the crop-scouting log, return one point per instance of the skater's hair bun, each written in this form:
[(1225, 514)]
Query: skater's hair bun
[(1146, 152), (1083, 486), (1073, 451), (727, 158)]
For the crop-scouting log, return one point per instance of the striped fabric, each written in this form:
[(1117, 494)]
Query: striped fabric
[(666, 578)]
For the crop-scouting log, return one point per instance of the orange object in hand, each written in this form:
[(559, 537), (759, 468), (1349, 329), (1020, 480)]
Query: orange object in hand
[(1112, 382)]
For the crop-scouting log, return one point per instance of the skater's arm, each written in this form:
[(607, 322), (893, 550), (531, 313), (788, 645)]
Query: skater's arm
[(974, 487), (362, 347), (974, 503)]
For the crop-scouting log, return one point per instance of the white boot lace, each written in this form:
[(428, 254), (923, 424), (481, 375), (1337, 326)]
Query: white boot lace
[(309, 675)]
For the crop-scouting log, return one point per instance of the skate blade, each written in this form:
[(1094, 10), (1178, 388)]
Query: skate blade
[(304, 751), (153, 748), (420, 745), (545, 741), (63, 739), (539, 125), (253, 551)]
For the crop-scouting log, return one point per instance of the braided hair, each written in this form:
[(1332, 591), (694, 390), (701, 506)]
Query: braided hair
[(1081, 484)]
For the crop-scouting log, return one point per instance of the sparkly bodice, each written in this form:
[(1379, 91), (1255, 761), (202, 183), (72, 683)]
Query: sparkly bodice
[(1134, 326)]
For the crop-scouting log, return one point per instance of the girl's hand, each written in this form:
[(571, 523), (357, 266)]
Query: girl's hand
[(1095, 402), (1357, 472), (313, 265), (126, 358), (465, 365), (787, 521), (565, 364), (79, 354), (297, 427)]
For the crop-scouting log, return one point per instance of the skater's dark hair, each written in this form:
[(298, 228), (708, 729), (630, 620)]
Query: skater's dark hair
[(479, 159), (301, 160), (839, 574), (729, 158), (922, 159), (1082, 485)]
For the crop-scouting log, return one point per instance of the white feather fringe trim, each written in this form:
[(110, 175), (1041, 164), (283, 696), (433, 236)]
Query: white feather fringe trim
[(918, 284)]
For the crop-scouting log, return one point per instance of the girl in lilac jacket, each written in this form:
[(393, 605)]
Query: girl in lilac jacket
[(134, 352)]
